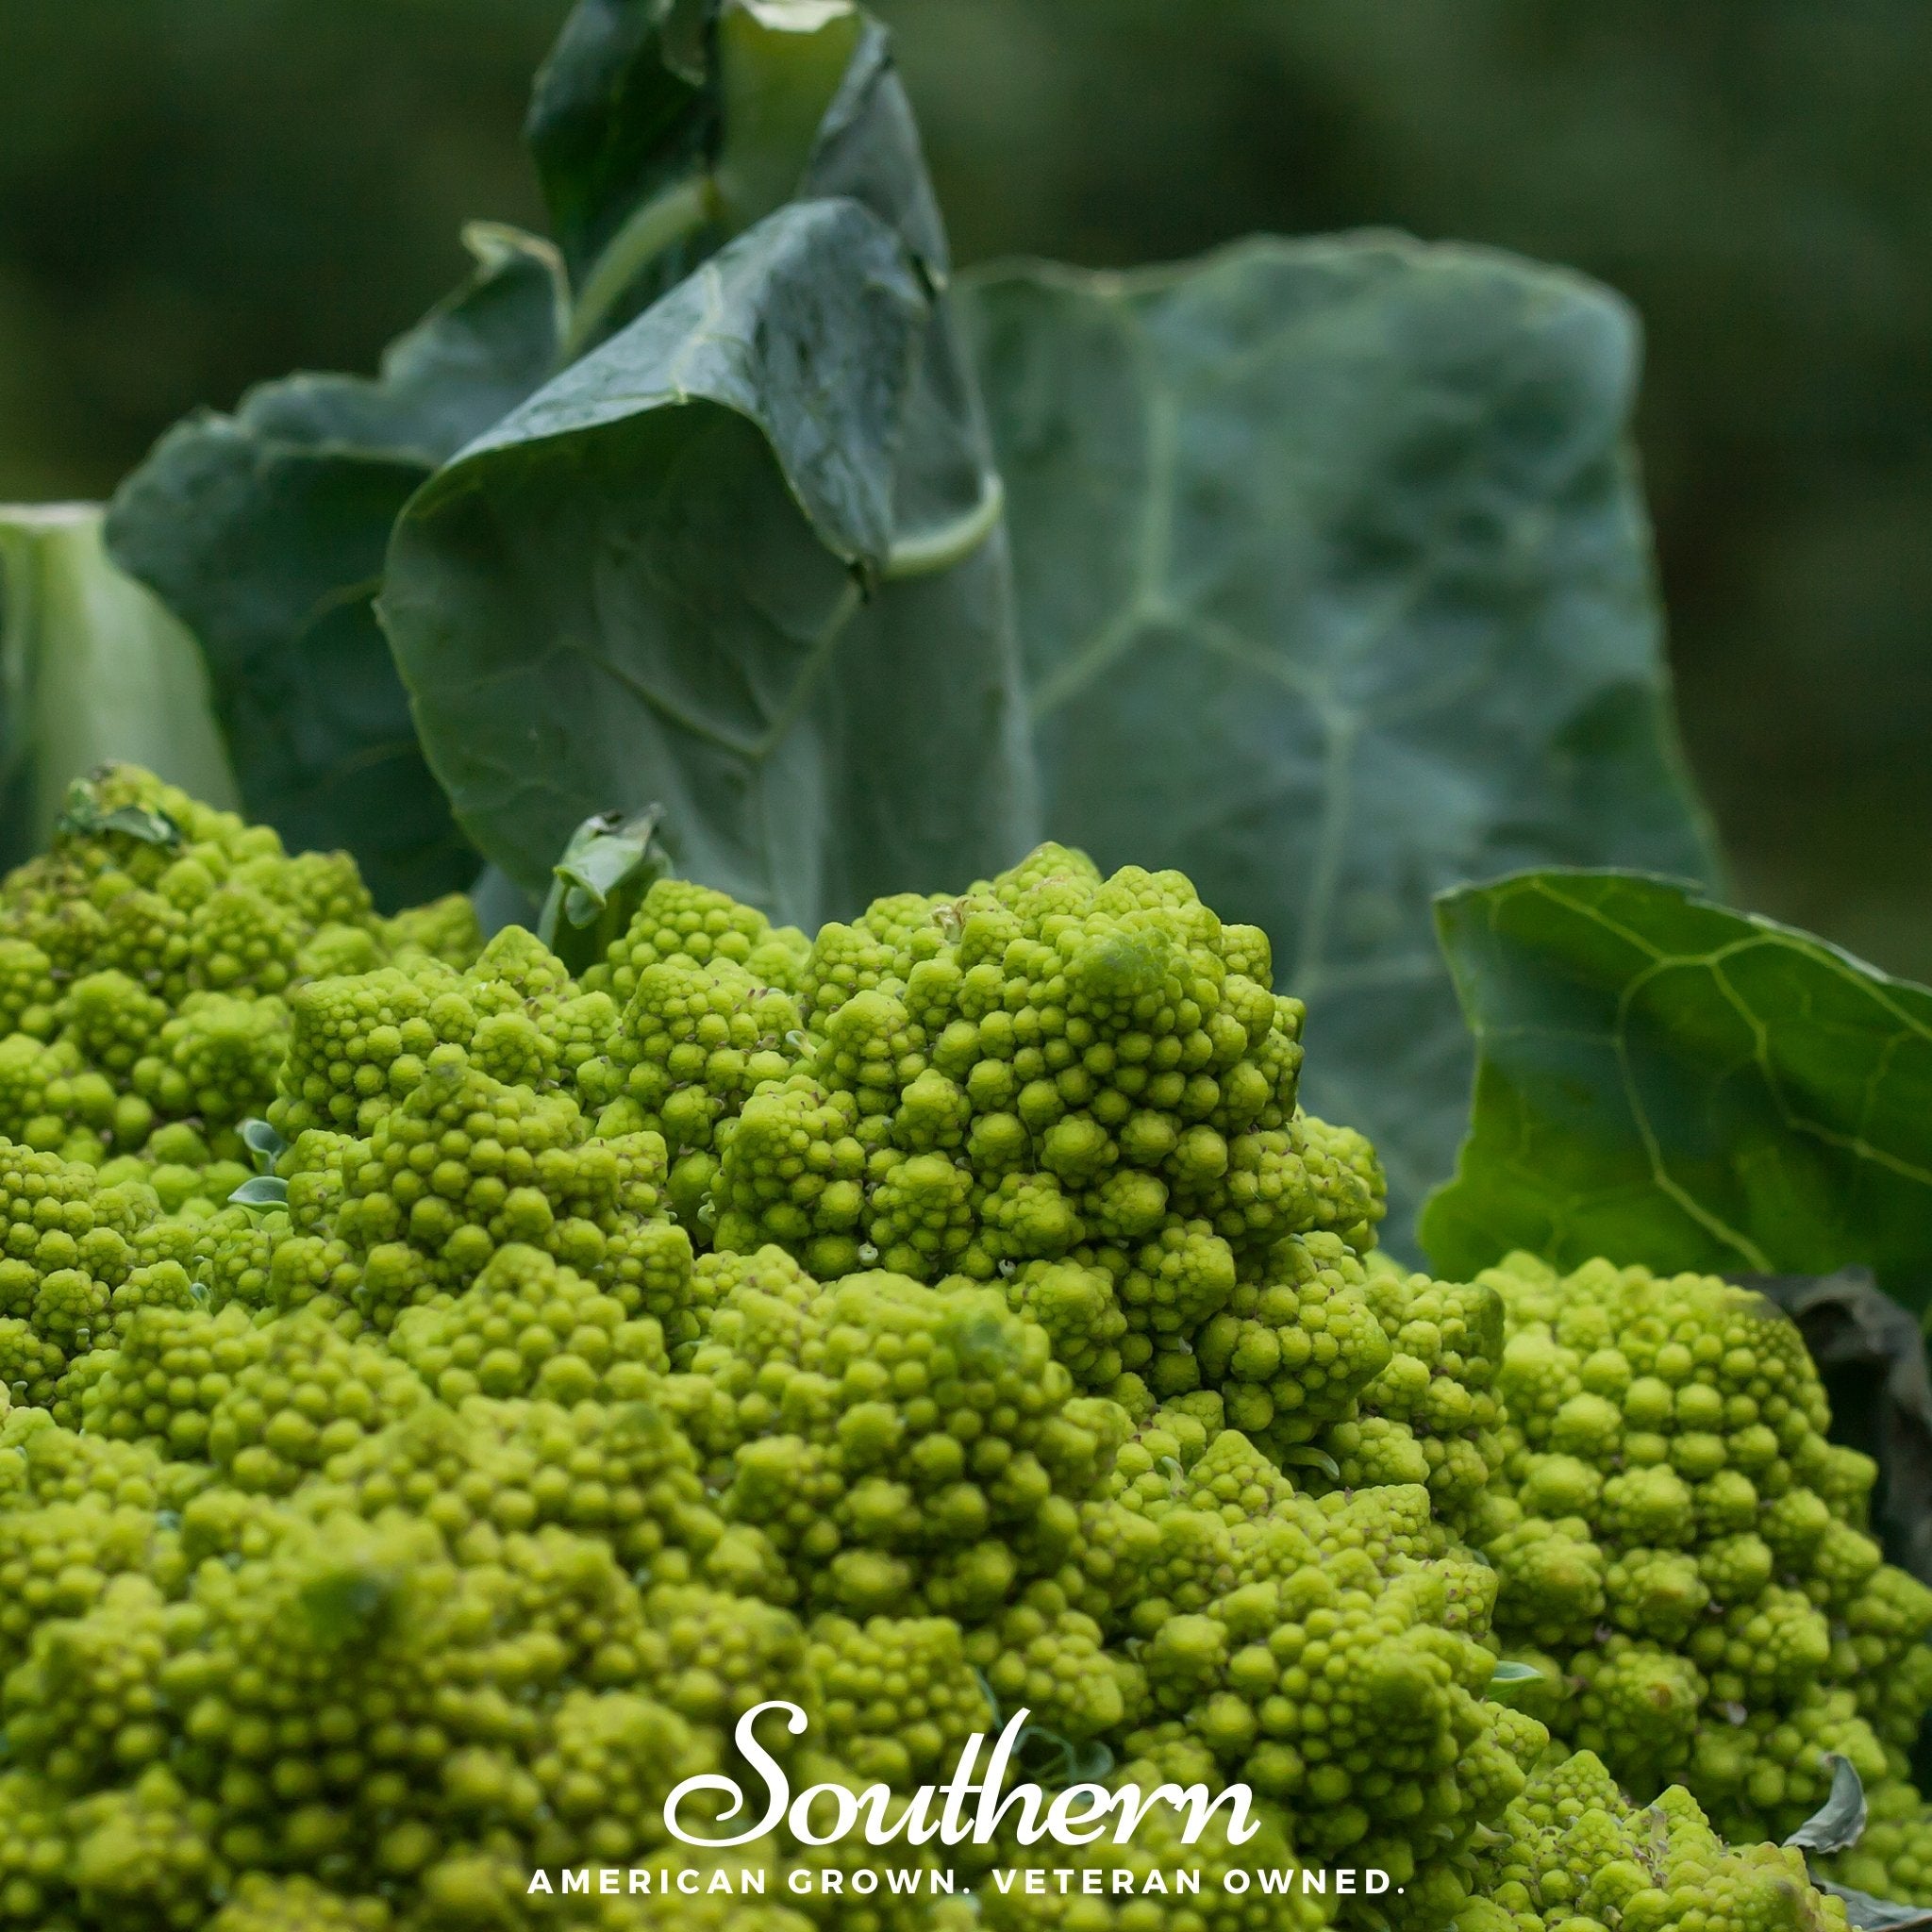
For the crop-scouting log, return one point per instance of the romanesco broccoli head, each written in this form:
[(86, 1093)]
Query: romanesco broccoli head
[(947, 1314)]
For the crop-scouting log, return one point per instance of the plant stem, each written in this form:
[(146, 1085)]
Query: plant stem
[(661, 223), (942, 547)]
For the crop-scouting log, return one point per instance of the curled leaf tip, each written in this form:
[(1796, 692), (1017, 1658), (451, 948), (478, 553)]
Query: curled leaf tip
[(264, 1142), (611, 861)]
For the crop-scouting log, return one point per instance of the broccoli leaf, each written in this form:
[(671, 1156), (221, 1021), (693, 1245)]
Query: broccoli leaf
[(1510, 1671), (264, 1142), (260, 1190), (619, 113), (1836, 1826), (1868, 1914), (599, 883), (265, 532), (1840, 1821), (742, 560), (92, 669), (1335, 588), (661, 129), (81, 815), (1673, 1083)]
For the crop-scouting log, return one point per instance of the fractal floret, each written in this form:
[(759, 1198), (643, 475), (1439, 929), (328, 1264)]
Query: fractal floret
[(1574, 1854), (815, 1360), (146, 964), (1678, 1540), (1326, 1651), (1267, 1894), (834, 1418), (1056, 1059)]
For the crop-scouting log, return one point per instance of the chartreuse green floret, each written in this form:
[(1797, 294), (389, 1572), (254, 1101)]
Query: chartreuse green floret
[(681, 921), (146, 961), (530, 1326), (444, 929), (84, 1704), (83, 1255), (1573, 1855), (1432, 1413), (900, 1698), (907, 1449), (262, 1904), (1043, 1655), (1325, 1649), (465, 1164), (620, 1478), (1674, 1529), (1082, 1316), (1051, 1059), (1058, 1071), (408, 1679), (161, 1381), (693, 1043), (713, 1656), (611, 1759), (57, 1560), (350, 1036), (337, 1674), (1291, 1352), (359, 1046), (310, 1393), (31, 1364), (714, 1276), (1154, 1854), (1153, 1247), (1338, 1692)]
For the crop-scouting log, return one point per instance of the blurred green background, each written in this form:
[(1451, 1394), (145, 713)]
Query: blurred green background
[(195, 195)]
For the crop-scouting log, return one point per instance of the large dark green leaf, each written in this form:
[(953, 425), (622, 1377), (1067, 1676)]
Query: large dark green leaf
[(671, 577), (1666, 1081), (92, 669), (1334, 589), (265, 532)]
